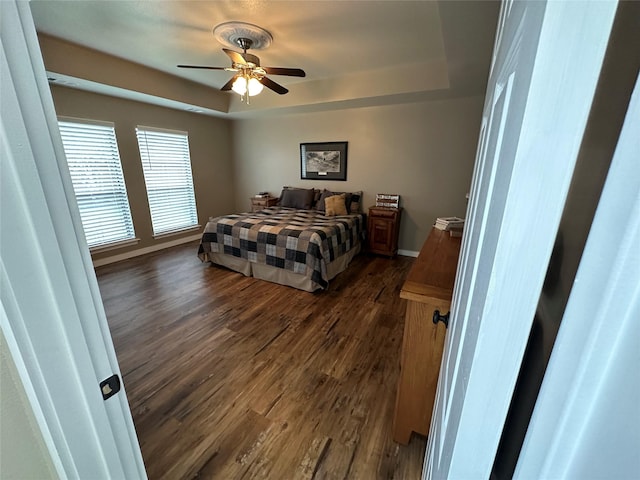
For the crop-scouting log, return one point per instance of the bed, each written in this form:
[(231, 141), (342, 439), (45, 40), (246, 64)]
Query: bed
[(299, 247)]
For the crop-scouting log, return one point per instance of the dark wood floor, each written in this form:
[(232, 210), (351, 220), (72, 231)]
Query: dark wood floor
[(231, 377)]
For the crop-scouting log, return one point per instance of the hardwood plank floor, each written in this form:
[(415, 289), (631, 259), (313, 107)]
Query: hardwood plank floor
[(230, 377)]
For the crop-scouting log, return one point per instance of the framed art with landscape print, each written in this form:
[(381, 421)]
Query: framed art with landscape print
[(323, 161)]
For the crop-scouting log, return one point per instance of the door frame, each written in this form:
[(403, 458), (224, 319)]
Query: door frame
[(56, 327), (490, 328), (585, 422)]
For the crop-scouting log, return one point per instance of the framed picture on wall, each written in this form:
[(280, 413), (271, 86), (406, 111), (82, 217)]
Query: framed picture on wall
[(323, 161)]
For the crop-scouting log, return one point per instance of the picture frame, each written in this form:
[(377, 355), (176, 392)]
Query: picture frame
[(323, 161)]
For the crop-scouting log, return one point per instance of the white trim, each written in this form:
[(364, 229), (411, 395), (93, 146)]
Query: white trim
[(524, 166), (143, 251), (176, 232), (114, 246), (586, 422), (88, 121), (408, 253), (49, 289), (163, 130)]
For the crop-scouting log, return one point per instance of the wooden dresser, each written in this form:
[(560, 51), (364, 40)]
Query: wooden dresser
[(428, 287)]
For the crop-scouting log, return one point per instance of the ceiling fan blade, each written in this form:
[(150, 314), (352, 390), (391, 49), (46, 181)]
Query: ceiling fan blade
[(235, 56), (201, 66), (229, 84), (267, 82), (291, 72)]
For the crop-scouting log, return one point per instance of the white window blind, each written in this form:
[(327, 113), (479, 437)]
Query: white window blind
[(167, 174), (96, 173)]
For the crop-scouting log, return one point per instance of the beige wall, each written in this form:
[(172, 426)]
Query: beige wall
[(209, 142), (423, 151), (78, 61), (23, 453)]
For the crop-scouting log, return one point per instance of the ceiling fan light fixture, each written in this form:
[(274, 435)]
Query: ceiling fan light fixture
[(255, 87), (240, 86), (251, 77), (247, 86)]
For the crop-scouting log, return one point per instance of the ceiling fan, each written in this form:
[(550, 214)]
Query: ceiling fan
[(250, 76)]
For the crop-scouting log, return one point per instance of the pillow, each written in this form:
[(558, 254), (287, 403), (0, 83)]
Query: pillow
[(335, 205), (296, 198), (355, 206), (316, 198), (320, 203), (326, 193)]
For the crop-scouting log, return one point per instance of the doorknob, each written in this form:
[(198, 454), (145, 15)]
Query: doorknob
[(437, 317)]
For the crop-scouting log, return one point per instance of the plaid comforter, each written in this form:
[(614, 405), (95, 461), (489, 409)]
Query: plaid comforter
[(302, 241)]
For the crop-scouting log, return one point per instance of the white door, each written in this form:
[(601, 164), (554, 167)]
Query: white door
[(547, 59), (586, 422), (55, 325)]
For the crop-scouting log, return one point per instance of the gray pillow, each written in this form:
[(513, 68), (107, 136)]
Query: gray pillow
[(296, 198), (326, 193)]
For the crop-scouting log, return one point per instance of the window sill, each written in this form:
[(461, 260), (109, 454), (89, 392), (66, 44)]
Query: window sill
[(114, 246), (176, 232)]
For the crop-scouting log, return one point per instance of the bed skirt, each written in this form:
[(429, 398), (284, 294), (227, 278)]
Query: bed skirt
[(279, 275)]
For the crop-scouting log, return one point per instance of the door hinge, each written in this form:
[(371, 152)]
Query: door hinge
[(110, 386)]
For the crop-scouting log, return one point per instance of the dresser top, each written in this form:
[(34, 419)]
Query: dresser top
[(434, 271)]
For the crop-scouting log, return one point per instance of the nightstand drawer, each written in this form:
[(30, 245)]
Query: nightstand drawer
[(383, 212), (260, 203)]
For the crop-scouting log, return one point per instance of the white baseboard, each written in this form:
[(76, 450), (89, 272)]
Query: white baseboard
[(145, 250), (408, 253)]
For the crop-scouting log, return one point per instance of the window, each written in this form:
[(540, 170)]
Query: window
[(167, 174), (96, 174)]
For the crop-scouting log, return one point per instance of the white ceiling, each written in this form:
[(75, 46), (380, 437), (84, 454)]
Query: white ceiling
[(354, 52)]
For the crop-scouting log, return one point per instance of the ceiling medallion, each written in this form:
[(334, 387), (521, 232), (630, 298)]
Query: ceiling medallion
[(230, 33)]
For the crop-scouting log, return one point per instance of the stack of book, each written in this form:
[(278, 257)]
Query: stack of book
[(449, 223), (387, 200)]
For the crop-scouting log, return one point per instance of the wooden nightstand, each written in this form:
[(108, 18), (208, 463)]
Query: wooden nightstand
[(383, 229), (261, 203)]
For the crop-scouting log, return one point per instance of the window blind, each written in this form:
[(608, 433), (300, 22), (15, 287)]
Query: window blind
[(96, 173), (167, 174)]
